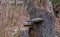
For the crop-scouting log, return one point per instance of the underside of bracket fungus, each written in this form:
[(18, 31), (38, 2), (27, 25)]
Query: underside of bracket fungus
[(28, 24), (31, 22)]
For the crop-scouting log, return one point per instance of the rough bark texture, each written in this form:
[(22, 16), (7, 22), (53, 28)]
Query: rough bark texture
[(24, 33), (47, 27)]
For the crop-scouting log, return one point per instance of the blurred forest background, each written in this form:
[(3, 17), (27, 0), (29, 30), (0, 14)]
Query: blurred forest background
[(12, 16)]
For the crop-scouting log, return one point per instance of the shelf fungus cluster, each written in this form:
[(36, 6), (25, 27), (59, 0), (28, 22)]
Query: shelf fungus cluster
[(32, 22)]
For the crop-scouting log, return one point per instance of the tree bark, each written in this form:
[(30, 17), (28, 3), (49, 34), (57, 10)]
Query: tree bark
[(47, 27), (24, 32)]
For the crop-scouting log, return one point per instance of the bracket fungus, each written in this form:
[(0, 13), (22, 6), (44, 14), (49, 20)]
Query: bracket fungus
[(33, 21)]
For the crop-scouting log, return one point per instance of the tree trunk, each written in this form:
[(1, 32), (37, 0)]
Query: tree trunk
[(24, 32), (45, 11)]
